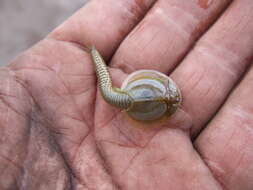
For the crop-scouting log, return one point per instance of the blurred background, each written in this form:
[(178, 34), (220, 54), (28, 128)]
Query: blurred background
[(25, 22)]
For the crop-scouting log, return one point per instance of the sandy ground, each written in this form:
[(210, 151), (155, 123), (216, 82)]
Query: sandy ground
[(24, 22)]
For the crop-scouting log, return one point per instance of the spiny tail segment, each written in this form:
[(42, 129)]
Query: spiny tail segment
[(112, 95)]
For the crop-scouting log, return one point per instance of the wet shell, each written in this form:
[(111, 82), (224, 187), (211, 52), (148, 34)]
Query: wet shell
[(155, 95)]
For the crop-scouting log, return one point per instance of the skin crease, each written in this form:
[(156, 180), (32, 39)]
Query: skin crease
[(57, 132)]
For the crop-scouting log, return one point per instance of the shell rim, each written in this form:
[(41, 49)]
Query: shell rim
[(124, 84)]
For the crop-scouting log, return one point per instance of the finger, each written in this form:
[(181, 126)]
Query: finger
[(216, 63), (102, 23), (227, 143), (165, 35)]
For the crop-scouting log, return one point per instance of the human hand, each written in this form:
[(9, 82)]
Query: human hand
[(58, 133)]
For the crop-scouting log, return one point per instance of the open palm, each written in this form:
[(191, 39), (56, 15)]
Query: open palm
[(58, 133)]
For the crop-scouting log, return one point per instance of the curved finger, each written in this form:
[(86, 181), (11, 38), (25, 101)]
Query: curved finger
[(227, 143), (165, 35), (102, 23), (216, 63)]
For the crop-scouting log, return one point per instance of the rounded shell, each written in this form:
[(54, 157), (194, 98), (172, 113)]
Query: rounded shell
[(155, 95)]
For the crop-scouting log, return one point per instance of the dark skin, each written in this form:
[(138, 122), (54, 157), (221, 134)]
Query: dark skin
[(58, 133)]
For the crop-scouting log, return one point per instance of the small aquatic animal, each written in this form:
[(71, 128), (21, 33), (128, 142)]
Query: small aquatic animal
[(146, 95)]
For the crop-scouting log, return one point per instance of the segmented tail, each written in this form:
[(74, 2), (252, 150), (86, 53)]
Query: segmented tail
[(112, 95)]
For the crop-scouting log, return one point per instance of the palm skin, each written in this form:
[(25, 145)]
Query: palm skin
[(58, 133)]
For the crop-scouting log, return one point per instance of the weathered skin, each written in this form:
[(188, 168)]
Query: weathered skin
[(58, 133)]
